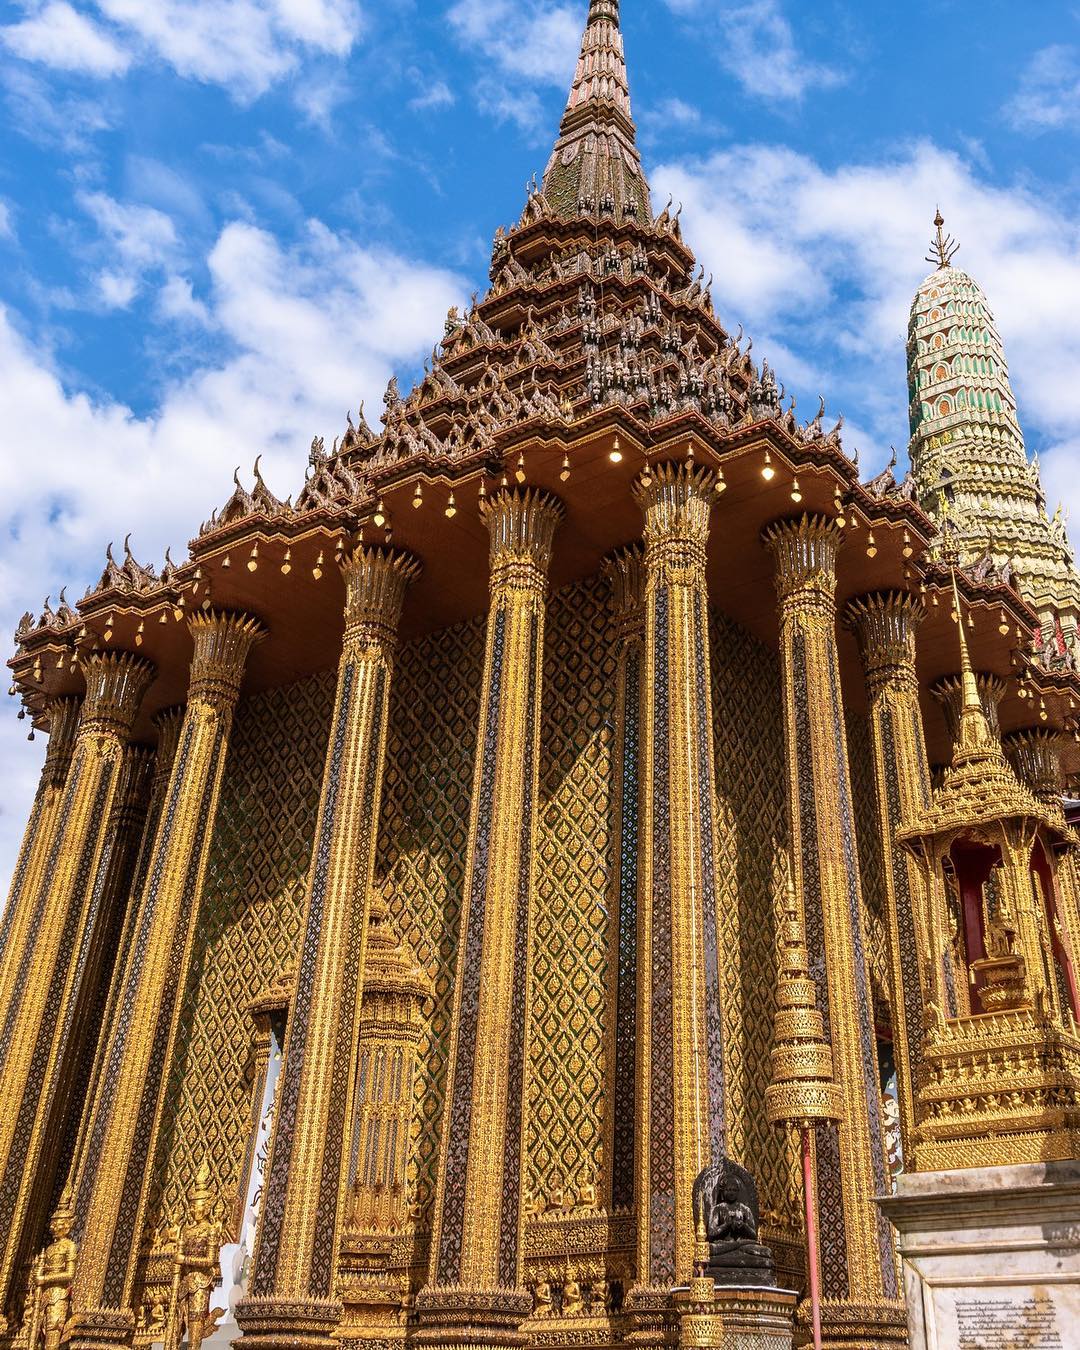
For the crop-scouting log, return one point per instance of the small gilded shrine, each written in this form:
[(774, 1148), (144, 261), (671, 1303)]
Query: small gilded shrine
[(582, 786)]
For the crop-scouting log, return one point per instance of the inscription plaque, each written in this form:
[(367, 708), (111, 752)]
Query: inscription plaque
[(997, 1320)]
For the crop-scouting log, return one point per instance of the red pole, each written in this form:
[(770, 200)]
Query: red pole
[(811, 1234)]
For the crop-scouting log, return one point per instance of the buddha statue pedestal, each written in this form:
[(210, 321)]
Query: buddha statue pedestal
[(726, 1317), (732, 1302)]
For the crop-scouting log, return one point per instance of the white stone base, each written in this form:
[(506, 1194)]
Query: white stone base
[(991, 1256)]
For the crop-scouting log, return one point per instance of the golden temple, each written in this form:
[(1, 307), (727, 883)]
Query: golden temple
[(584, 778)]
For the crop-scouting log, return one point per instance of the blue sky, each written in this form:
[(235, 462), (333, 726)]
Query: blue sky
[(224, 222)]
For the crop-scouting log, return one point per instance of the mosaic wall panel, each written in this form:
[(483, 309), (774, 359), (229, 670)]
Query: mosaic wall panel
[(249, 928), (434, 713), (871, 864), (752, 873), (573, 991)]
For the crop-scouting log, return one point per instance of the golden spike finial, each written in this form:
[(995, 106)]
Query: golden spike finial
[(974, 729), (943, 247)]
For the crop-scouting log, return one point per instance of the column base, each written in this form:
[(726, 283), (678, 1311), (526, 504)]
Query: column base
[(487, 1319), (654, 1320), (990, 1254), (846, 1325), (100, 1329), (727, 1317), (289, 1323)]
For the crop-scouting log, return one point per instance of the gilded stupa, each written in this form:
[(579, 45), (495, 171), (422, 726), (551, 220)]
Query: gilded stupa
[(436, 874), (972, 473)]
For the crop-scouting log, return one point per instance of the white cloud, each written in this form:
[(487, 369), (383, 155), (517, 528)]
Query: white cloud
[(62, 37), (243, 45), (539, 42), (137, 240), (310, 330), (435, 94), (7, 225), (755, 42), (825, 263), (1048, 97), (177, 301)]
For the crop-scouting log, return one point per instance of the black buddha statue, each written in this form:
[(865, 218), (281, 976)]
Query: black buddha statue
[(726, 1206)]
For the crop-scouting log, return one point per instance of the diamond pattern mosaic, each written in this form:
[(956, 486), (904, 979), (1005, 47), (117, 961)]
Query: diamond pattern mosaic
[(573, 994), (868, 833), (751, 876), (249, 926)]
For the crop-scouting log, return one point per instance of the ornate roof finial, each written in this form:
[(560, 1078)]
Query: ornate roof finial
[(974, 729), (595, 159), (943, 247)]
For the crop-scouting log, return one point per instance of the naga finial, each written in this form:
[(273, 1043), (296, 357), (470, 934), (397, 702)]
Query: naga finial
[(943, 247)]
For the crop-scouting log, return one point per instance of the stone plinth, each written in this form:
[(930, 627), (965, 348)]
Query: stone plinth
[(727, 1317), (991, 1256)]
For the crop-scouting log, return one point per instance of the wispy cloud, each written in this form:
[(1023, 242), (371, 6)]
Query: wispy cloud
[(1048, 96), (136, 241), (755, 42), (434, 94)]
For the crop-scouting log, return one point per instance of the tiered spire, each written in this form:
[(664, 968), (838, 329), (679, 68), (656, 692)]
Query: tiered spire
[(595, 166), (971, 470)]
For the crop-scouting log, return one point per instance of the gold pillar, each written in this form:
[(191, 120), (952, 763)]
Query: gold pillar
[(168, 728), (475, 1293), (292, 1297), (47, 991), (114, 1171), (885, 624), (63, 716), (625, 570), (679, 1116), (857, 1258)]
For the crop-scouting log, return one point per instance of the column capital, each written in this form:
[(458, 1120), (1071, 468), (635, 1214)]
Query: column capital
[(375, 583), (625, 571), (1035, 755), (223, 642), (949, 692), (63, 714), (521, 523), (115, 684), (676, 500), (885, 624), (804, 549)]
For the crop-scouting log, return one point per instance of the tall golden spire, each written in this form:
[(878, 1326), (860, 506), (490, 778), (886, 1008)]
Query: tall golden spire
[(595, 168)]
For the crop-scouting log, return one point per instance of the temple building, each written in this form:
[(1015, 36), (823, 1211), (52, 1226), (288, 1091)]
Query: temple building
[(972, 474), (475, 900)]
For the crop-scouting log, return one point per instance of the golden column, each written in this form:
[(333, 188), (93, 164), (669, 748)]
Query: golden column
[(679, 1116), (114, 1171), (885, 624), (475, 1293), (861, 1307), (48, 985), (625, 570), (63, 716), (168, 728), (292, 1297)]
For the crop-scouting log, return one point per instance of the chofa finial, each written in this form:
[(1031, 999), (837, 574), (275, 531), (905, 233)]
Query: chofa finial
[(943, 247)]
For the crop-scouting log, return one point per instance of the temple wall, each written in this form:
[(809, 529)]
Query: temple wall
[(249, 929), (752, 875), (260, 853)]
